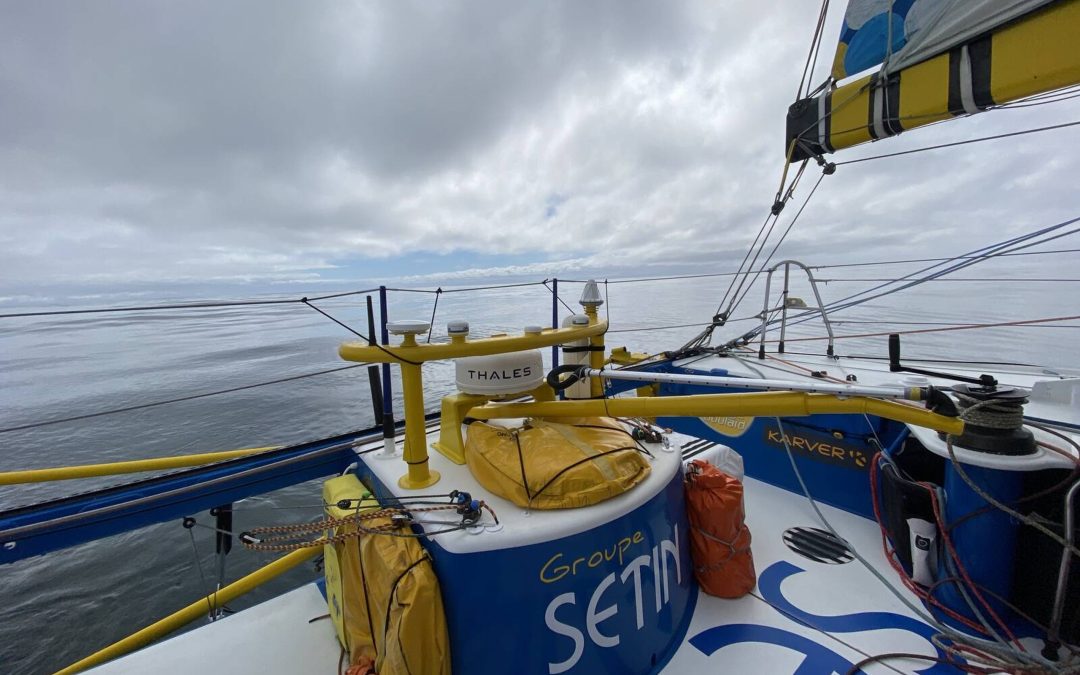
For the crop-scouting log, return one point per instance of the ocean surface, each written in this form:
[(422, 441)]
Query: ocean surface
[(63, 606)]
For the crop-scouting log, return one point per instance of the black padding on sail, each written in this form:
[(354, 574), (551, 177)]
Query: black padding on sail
[(979, 53), (956, 102), (802, 127), (892, 105)]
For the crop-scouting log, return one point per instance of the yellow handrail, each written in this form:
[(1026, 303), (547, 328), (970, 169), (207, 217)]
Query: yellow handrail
[(410, 356), (193, 611), (131, 466), (412, 351), (758, 404)]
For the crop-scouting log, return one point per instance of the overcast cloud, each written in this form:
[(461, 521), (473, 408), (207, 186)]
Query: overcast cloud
[(323, 143)]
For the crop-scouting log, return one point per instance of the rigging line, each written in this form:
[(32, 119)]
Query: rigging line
[(927, 323), (746, 257), (664, 278), (971, 258), (861, 357), (970, 326), (735, 298), (779, 200), (955, 143), (817, 51), (202, 578), (984, 253), (435, 306), (360, 335), (1038, 103), (735, 302), (706, 275), (774, 212), (648, 328), (346, 294), (195, 305), (959, 266), (815, 43), (192, 397), (1009, 279), (466, 289), (561, 302), (493, 286), (918, 260)]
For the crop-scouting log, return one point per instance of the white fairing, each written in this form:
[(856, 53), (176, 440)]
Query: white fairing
[(500, 374), (579, 389)]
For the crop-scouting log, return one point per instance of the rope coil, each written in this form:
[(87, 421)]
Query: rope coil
[(991, 414), (285, 538)]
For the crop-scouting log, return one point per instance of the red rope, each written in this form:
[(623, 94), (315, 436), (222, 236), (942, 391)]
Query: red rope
[(890, 556), (911, 585)]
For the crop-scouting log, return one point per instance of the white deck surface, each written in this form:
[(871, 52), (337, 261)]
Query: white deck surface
[(826, 590), (277, 636)]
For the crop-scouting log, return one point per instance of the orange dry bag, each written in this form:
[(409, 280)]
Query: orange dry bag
[(719, 538)]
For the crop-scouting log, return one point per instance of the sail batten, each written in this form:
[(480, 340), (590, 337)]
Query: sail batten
[(1030, 55)]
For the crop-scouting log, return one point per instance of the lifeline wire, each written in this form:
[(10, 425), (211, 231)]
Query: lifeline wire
[(250, 303), (197, 305), (968, 259), (361, 335), (180, 399)]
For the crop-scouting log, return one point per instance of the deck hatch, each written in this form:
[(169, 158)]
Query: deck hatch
[(818, 545)]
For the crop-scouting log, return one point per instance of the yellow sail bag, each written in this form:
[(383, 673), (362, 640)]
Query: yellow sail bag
[(545, 464), (384, 596)]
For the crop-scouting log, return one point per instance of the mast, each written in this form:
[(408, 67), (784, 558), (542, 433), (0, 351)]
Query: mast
[(957, 58)]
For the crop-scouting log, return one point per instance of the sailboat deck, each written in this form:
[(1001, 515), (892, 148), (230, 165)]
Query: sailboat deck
[(824, 616)]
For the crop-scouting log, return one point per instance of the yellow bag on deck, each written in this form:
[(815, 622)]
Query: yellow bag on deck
[(555, 465), (389, 602)]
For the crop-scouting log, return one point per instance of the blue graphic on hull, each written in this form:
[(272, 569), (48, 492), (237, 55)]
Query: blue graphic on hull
[(818, 658)]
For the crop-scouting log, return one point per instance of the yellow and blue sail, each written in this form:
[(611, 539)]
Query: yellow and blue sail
[(872, 30), (935, 59)]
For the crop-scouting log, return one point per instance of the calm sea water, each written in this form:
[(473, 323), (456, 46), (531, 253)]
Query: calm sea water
[(61, 607)]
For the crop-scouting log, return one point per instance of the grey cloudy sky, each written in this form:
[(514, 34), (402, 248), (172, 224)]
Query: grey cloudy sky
[(323, 143)]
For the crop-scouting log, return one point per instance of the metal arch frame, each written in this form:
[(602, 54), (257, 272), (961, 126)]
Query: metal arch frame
[(784, 305)]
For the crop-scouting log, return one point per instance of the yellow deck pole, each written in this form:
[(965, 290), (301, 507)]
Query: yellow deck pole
[(757, 404), (193, 611), (596, 354), (419, 473), (132, 466)]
